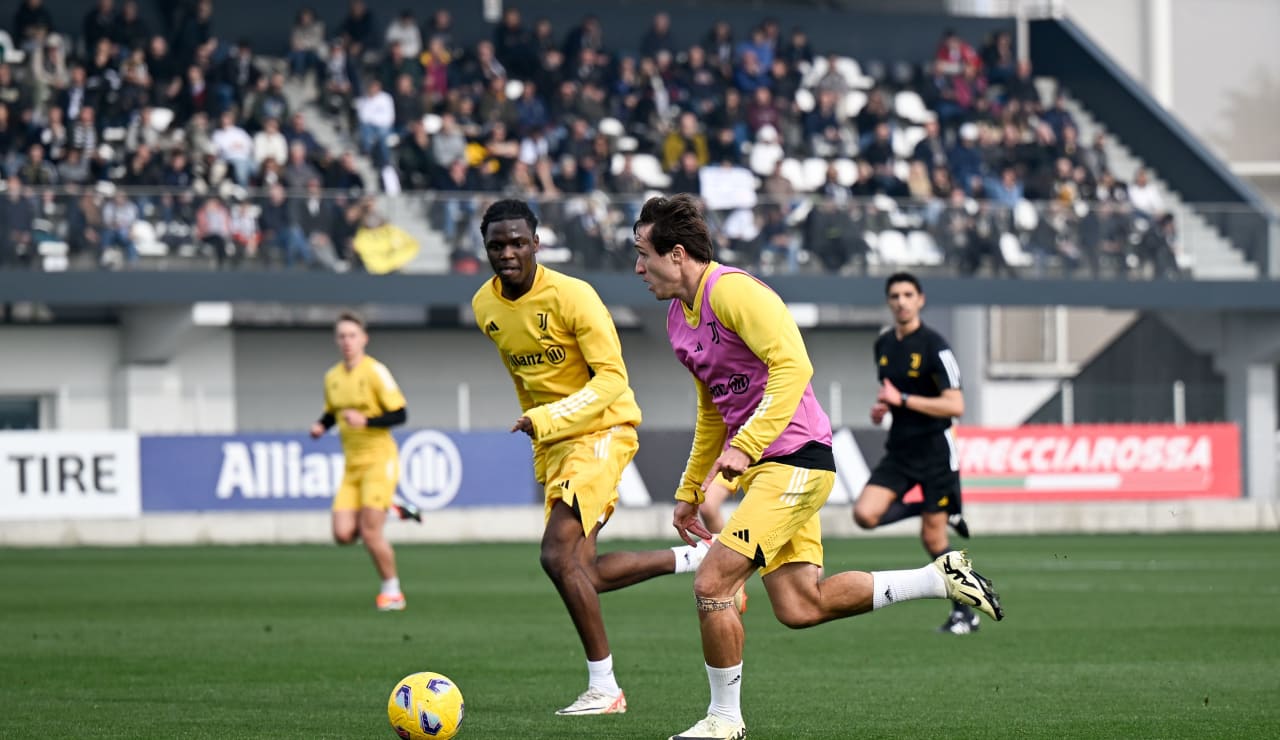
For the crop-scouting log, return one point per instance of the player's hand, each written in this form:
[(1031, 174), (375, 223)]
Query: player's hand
[(889, 395), (355, 419), (731, 463), (317, 430), (523, 424), (878, 412), (685, 520)]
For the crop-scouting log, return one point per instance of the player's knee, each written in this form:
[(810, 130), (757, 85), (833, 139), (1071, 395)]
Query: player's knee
[(710, 585), (370, 532), (865, 519), (554, 563), (345, 536)]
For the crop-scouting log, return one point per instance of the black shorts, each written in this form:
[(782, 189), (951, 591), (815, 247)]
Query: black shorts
[(931, 463)]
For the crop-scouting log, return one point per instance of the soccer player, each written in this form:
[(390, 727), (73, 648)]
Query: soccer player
[(760, 426), (362, 398), (558, 342), (920, 385)]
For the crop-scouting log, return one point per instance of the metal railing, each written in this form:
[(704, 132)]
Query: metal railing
[(67, 229)]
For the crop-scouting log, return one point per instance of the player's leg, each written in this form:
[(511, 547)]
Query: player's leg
[(952, 503), (564, 548), (346, 508), (376, 491), (778, 500), (880, 502), (593, 471), (801, 597), (723, 573)]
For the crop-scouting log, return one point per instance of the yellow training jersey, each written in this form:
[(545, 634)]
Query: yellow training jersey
[(562, 350), (368, 388)]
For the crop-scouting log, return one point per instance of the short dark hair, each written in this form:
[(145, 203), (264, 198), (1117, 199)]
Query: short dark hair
[(353, 317), (676, 220), (508, 209), (902, 277)]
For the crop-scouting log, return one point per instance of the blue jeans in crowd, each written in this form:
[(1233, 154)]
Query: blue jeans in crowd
[(295, 246), (374, 139), (112, 237)]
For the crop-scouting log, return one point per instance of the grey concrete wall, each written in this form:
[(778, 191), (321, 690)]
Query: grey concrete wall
[(1226, 72)]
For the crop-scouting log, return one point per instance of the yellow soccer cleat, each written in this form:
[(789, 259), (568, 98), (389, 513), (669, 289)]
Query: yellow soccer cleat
[(966, 586)]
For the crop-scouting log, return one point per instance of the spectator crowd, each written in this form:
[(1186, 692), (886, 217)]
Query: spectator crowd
[(805, 158)]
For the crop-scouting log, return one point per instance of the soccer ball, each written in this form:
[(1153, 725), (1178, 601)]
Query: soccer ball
[(425, 706)]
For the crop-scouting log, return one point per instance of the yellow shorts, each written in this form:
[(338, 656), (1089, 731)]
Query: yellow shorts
[(777, 522), (584, 472), (368, 486)]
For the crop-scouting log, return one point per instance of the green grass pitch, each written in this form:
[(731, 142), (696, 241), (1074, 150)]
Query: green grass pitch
[(1106, 637)]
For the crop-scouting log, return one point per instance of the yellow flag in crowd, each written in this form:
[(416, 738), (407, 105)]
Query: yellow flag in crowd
[(385, 248)]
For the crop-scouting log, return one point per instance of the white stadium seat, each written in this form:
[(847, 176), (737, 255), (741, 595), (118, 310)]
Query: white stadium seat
[(923, 249), (892, 247), (910, 107), (1011, 249)]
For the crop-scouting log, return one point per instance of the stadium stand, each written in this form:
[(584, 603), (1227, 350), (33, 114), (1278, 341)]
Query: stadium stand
[(124, 145)]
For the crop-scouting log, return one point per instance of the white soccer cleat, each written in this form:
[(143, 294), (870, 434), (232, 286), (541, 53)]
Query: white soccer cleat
[(713, 727), (966, 586), (596, 701)]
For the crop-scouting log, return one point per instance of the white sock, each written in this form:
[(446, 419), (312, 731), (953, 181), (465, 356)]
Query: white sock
[(891, 586), (391, 586), (726, 691), (600, 675), (688, 557)]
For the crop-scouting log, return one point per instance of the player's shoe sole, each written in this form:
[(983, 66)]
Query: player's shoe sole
[(966, 586), (390, 602), (595, 701), (712, 727)]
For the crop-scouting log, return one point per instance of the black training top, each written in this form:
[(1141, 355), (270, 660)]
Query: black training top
[(919, 364)]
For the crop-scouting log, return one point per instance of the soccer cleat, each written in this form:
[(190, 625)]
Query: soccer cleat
[(713, 727), (409, 511), (959, 623), (740, 600), (596, 701), (966, 586), (957, 522), (390, 602)]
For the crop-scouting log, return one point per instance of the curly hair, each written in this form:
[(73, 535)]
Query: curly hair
[(508, 209)]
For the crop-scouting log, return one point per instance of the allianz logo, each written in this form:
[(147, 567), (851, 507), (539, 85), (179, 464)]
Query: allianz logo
[(430, 470)]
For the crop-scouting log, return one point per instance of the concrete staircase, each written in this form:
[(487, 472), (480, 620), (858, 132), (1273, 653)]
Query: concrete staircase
[(1210, 255), (407, 211)]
